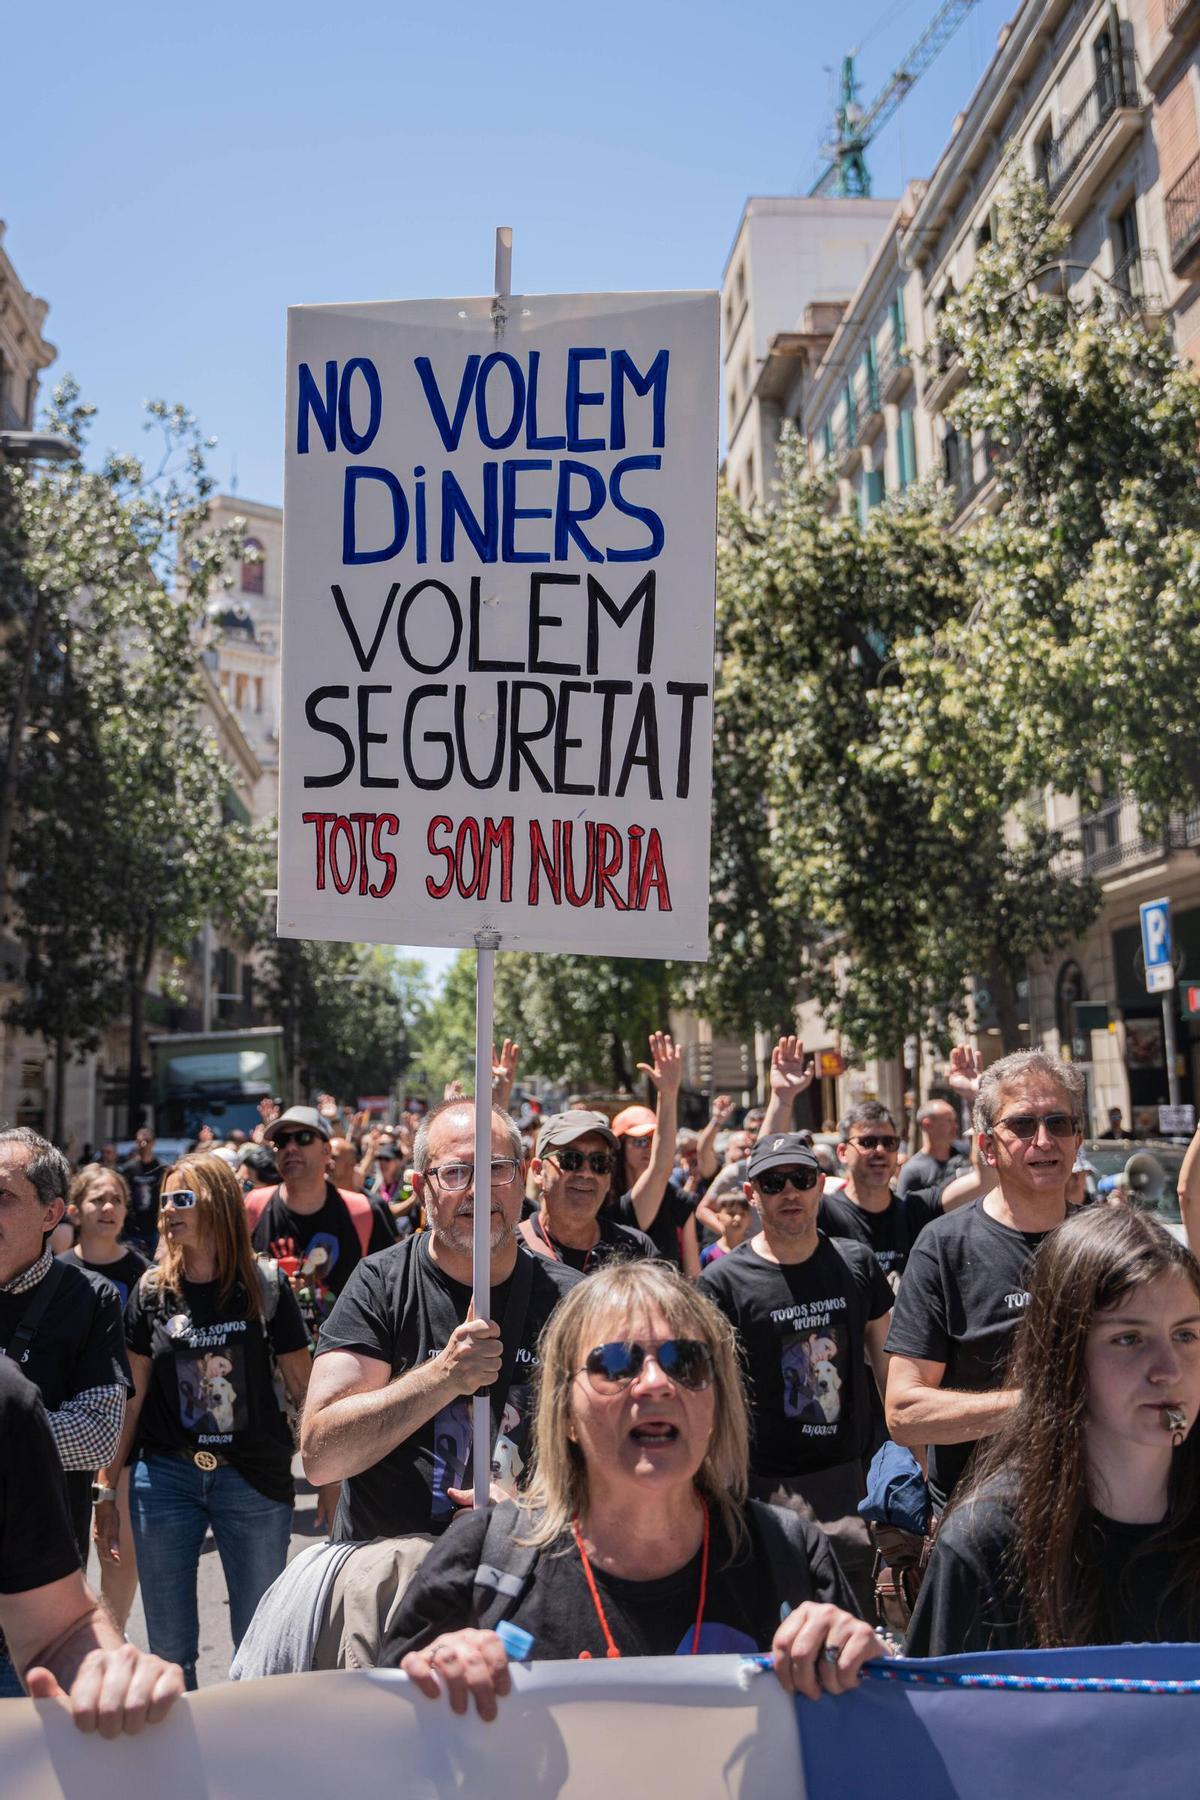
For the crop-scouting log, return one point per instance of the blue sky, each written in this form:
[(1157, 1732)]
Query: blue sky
[(174, 177)]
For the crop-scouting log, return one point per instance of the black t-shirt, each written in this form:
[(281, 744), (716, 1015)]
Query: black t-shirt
[(972, 1597), (282, 1232), (961, 1299), (212, 1385), (37, 1544), (925, 1170), (890, 1234), (802, 1329), (401, 1308), (145, 1185), (79, 1344), (646, 1618), (124, 1274), (616, 1242), (673, 1214)]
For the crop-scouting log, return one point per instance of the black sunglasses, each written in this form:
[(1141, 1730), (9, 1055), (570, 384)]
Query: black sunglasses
[(878, 1141), (610, 1367), (600, 1162), (1025, 1125), (303, 1138), (773, 1181)]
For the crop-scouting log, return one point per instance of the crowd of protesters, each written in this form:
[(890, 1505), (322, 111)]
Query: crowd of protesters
[(708, 1356)]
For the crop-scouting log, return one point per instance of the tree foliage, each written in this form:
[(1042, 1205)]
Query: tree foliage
[(116, 566), (349, 1013)]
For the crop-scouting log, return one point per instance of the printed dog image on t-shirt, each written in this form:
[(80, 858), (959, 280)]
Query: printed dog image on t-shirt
[(212, 1390), (810, 1362)]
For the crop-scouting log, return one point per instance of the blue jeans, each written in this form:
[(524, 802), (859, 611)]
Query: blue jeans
[(171, 1504)]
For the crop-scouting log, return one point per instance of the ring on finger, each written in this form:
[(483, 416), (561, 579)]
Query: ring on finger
[(831, 1652)]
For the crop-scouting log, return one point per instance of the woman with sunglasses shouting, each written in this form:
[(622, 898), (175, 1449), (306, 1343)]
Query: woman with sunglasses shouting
[(205, 1331), (811, 1314), (635, 1537), (967, 1280)]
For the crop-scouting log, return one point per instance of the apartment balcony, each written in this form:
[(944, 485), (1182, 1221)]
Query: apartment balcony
[(944, 375), (1183, 222), (1092, 141), (1138, 277), (868, 409), (847, 450), (895, 373), (1112, 840)]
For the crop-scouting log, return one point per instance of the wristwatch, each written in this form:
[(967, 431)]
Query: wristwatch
[(100, 1493)]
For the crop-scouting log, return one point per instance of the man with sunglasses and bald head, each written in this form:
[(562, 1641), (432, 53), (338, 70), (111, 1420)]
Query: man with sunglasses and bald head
[(966, 1284), (572, 1172), (812, 1314)]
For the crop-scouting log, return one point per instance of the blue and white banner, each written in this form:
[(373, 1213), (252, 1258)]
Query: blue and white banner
[(650, 1729)]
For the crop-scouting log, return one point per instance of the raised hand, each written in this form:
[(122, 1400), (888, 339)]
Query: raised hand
[(327, 1106), (720, 1110), (504, 1072), (966, 1067), (666, 1070), (791, 1072)]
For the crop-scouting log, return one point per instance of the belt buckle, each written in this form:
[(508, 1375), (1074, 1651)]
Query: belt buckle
[(204, 1459)]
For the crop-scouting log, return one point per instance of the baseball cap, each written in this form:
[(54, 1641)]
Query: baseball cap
[(563, 1128), (634, 1120), (386, 1152), (298, 1118), (785, 1149)]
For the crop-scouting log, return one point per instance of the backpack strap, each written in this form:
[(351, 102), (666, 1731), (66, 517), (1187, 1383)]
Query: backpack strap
[(361, 1216), (505, 1566), (17, 1348), (781, 1538)]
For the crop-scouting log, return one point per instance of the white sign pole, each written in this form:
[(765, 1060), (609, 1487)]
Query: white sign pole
[(486, 944)]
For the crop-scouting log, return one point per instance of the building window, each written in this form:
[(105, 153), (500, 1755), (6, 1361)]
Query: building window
[(258, 693), (253, 567), (239, 691), (827, 439), (906, 451)]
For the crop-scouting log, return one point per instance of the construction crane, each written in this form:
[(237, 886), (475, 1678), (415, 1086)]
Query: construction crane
[(846, 171)]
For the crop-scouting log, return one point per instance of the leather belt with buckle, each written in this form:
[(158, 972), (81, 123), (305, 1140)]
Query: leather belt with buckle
[(206, 1460)]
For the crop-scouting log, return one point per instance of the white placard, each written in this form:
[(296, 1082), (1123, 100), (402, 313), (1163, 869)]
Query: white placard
[(1175, 1120), (498, 595)]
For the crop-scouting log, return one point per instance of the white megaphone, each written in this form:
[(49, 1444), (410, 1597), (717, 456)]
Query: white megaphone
[(1145, 1177)]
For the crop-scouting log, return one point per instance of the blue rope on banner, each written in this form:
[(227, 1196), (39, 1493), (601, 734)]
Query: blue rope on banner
[(911, 1676)]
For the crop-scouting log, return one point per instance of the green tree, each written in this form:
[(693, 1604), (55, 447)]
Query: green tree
[(119, 562), (1076, 665), (885, 899), (349, 1013)]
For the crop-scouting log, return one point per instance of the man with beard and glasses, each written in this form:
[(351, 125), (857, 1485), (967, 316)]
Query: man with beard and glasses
[(572, 1172), (388, 1412), (811, 1314)]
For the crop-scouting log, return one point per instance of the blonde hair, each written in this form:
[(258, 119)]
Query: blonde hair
[(227, 1228), (557, 1491)]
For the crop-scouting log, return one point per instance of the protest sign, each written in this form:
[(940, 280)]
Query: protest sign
[(646, 1728), (499, 540)]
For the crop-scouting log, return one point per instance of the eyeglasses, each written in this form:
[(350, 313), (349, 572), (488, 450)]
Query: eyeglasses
[(600, 1162), (1025, 1125), (611, 1367), (773, 1181), (878, 1141), (639, 1143), (182, 1199), (303, 1138), (456, 1178)]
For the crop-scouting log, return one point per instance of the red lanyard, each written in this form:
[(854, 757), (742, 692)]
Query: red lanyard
[(586, 1655)]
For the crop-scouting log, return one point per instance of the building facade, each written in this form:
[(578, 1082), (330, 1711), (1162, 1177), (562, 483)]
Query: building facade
[(1100, 101)]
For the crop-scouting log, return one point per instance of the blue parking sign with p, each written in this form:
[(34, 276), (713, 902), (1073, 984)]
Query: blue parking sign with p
[(1156, 933)]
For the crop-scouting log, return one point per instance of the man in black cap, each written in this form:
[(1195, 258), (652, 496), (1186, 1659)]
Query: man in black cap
[(810, 1313), (317, 1231), (572, 1171)]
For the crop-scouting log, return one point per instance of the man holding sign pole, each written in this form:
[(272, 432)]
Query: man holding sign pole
[(389, 1407)]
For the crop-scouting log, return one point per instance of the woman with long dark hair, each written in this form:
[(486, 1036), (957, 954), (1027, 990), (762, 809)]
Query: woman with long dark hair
[(206, 1330), (1082, 1522)]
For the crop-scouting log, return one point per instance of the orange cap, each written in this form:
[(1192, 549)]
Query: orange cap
[(635, 1120)]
